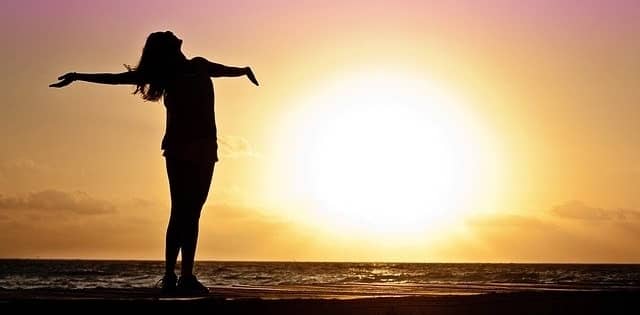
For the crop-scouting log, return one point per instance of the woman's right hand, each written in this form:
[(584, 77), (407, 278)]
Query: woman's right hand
[(65, 80)]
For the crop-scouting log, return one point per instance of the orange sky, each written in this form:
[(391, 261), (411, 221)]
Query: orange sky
[(504, 131)]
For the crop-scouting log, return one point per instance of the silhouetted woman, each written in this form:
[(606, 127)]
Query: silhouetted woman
[(189, 144)]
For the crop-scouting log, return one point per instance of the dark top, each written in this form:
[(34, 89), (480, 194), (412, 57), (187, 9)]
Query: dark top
[(191, 126)]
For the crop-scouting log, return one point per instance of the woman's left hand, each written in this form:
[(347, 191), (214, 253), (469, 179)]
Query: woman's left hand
[(252, 77)]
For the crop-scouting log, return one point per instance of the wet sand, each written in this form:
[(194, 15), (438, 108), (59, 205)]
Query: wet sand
[(233, 301)]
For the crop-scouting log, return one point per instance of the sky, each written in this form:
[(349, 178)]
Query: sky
[(422, 131)]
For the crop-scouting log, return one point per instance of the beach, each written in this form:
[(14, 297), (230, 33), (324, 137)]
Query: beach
[(239, 301)]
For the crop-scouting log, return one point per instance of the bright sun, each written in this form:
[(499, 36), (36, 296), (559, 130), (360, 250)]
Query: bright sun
[(388, 155)]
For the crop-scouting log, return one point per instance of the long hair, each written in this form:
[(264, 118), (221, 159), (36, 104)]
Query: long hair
[(160, 60)]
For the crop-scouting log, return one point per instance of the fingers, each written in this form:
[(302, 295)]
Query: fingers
[(60, 84), (252, 77), (64, 79)]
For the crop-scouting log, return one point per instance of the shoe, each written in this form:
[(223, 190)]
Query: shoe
[(168, 283), (189, 285)]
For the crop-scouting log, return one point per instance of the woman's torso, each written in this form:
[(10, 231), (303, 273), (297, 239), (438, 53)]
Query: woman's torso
[(191, 128)]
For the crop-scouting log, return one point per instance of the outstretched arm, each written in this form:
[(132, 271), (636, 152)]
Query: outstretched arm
[(128, 77), (218, 70)]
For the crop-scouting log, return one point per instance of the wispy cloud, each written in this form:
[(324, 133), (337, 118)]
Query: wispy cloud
[(236, 147), (579, 211), (20, 172), (21, 164), (572, 231), (233, 211), (506, 220), (57, 201)]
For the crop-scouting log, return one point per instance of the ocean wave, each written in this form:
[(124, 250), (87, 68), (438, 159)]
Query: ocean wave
[(366, 277)]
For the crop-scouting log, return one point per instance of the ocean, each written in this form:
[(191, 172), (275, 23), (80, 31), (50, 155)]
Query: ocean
[(357, 278)]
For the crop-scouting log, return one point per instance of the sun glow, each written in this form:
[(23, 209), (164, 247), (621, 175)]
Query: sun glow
[(388, 154)]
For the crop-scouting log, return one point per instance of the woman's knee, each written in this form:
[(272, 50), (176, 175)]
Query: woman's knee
[(185, 215)]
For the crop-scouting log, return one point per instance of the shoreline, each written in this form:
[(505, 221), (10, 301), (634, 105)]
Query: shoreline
[(238, 302)]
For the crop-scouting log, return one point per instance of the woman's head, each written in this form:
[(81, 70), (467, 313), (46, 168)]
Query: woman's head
[(161, 57), (162, 43)]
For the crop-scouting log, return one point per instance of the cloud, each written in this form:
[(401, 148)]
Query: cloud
[(56, 201), (579, 211), (232, 231), (530, 237), (227, 231), (234, 212), (141, 203), (254, 223), (235, 147), (569, 232), (506, 220), (22, 173), (21, 165)]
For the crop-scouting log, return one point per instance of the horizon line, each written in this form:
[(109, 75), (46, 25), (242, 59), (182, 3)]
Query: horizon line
[(330, 261)]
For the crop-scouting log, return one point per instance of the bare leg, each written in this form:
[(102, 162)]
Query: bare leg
[(190, 240), (199, 192), (172, 241), (172, 246), (189, 184)]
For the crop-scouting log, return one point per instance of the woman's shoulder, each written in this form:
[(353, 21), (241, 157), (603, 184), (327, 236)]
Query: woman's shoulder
[(199, 64), (195, 65), (199, 61)]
